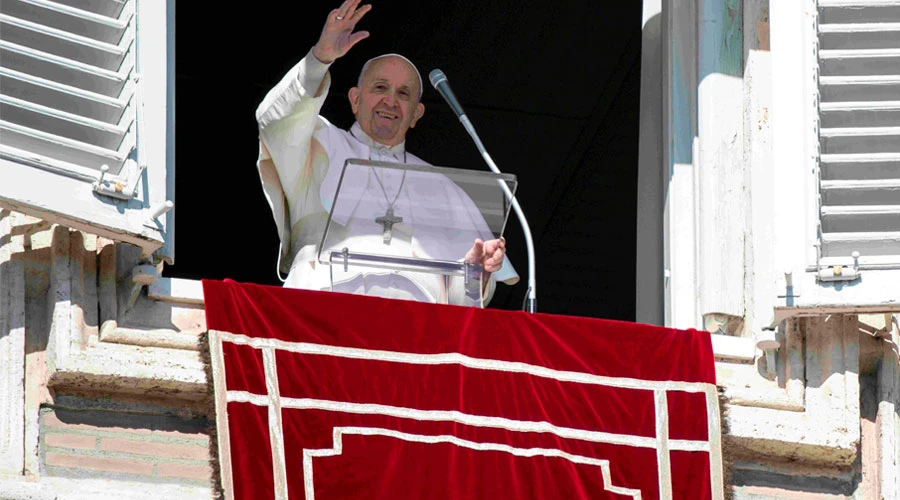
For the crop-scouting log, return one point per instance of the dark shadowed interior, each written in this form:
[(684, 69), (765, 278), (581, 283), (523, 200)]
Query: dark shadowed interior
[(553, 88)]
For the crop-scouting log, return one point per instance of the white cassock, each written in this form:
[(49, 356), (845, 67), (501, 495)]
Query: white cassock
[(300, 161)]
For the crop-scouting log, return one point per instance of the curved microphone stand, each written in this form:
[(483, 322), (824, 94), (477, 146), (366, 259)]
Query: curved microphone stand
[(439, 81)]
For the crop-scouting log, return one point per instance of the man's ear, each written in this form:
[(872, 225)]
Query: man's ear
[(419, 111), (353, 95)]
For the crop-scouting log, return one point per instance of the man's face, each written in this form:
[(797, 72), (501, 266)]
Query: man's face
[(387, 104)]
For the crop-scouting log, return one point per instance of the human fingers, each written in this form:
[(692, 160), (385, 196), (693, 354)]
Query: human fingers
[(345, 8), (493, 263), (348, 9), (491, 256), (476, 253), (337, 36), (492, 245), (356, 37), (497, 254), (360, 12)]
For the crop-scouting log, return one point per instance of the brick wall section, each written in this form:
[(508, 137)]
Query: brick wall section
[(128, 446)]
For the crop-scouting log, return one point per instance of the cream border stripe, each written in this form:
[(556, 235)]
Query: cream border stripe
[(461, 359), (217, 362), (276, 432), (467, 419), (663, 460), (338, 448), (716, 469)]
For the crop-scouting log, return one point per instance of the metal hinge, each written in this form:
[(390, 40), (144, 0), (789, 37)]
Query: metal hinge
[(829, 274), (116, 187)]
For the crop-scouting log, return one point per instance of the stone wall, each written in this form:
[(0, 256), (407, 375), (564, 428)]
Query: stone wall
[(103, 392), (100, 443)]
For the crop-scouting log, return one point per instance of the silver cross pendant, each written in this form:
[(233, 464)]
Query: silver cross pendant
[(387, 222)]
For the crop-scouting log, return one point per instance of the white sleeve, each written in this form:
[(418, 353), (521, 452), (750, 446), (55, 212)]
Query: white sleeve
[(287, 119), (288, 115), (301, 83)]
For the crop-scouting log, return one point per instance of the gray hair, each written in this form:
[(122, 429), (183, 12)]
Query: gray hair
[(359, 81)]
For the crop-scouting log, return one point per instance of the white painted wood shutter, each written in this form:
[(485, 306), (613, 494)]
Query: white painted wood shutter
[(859, 135), (85, 86)]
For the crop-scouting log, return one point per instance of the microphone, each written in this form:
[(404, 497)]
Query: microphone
[(439, 81)]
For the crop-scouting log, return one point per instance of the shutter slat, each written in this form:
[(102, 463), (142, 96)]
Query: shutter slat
[(858, 4), (858, 11), (50, 164), (859, 35), (48, 66), (859, 28), (61, 148), (61, 123), (62, 97), (859, 114), (867, 244), (861, 184), (75, 12), (69, 19), (860, 62), (63, 61), (860, 140), (870, 210), (860, 192), (875, 166), (860, 219), (861, 132), (859, 88), (61, 43), (108, 8)]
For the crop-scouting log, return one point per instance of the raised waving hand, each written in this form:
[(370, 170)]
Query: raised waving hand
[(337, 36)]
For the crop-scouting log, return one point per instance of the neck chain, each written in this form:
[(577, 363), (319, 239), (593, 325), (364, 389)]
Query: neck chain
[(384, 191), (388, 220)]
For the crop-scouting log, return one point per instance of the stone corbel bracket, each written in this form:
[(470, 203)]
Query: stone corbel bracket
[(810, 410), (150, 349)]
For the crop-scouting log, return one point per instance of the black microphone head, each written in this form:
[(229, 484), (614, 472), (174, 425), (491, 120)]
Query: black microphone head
[(436, 77)]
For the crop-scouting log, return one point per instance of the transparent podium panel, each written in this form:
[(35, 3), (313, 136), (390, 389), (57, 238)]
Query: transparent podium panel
[(403, 231)]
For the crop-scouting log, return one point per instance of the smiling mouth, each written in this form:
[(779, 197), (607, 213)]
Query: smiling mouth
[(388, 116)]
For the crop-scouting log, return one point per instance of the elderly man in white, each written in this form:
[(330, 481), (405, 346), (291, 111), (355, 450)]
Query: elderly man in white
[(301, 156)]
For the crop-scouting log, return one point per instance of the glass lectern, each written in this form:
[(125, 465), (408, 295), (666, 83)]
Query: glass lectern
[(403, 231)]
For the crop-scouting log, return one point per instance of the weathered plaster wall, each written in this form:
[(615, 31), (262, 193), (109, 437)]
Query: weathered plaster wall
[(721, 203)]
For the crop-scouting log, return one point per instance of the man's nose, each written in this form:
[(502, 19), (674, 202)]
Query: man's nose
[(391, 99)]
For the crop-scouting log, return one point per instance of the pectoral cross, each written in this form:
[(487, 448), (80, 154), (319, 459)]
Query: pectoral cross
[(387, 222)]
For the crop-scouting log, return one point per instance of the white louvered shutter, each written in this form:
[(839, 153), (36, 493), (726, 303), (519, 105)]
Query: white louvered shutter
[(85, 86), (859, 113)]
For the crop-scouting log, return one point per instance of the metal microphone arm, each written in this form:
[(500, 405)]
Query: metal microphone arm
[(531, 293)]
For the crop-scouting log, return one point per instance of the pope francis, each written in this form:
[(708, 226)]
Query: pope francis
[(301, 156)]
